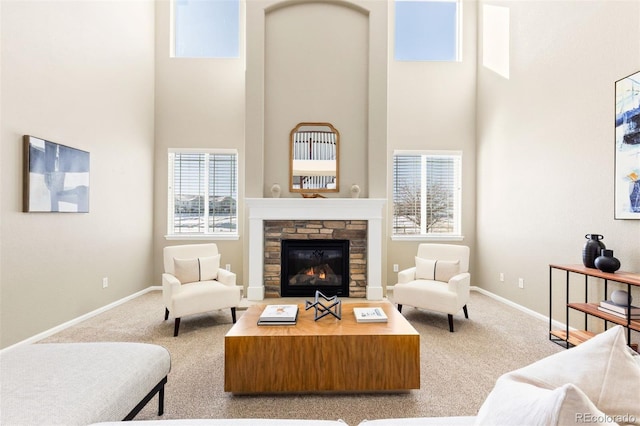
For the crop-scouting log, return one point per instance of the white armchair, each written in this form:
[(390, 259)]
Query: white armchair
[(193, 282), (440, 281)]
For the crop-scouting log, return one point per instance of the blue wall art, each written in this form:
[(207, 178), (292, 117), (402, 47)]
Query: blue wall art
[(627, 147), (56, 177)]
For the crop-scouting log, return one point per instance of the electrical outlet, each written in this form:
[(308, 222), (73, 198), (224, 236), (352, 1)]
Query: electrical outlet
[(521, 282), (395, 267), (105, 282), (227, 266), (501, 276)]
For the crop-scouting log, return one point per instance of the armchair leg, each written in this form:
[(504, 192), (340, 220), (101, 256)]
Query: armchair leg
[(466, 313), (176, 327), (399, 308), (166, 314), (450, 322), (233, 315)]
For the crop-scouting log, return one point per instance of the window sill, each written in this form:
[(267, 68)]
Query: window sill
[(427, 237), (201, 237)]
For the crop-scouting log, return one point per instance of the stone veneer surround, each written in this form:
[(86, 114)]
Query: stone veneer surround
[(260, 210), (353, 230)]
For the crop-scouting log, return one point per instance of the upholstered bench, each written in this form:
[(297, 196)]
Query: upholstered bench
[(80, 383)]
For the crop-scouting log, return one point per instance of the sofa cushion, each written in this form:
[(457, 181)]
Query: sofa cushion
[(437, 270), (197, 269), (516, 403), (602, 367)]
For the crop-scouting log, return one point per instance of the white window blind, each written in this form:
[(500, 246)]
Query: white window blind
[(426, 193), (203, 192)]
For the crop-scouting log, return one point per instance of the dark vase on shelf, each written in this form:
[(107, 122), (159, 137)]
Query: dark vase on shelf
[(606, 262), (592, 249)]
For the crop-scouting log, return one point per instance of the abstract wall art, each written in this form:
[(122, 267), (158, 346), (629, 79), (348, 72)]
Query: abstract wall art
[(627, 147), (56, 177)]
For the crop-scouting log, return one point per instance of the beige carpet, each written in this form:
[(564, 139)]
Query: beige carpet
[(458, 369)]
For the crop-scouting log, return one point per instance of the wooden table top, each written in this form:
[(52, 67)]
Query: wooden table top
[(632, 278), (247, 324)]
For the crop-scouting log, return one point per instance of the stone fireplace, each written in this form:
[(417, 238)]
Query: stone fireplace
[(320, 247), (272, 220)]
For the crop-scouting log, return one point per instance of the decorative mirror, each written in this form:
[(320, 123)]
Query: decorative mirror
[(314, 164)]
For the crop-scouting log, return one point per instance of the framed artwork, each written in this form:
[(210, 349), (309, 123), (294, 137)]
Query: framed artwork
[(627, 147), (56, 177)]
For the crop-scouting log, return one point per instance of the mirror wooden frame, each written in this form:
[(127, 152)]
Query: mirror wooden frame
[(323, 142)]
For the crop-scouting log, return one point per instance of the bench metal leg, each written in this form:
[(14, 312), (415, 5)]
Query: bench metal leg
[(159, 389), (161, 401)]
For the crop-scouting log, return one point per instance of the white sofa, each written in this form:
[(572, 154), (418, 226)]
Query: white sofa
[(80, 383), (597, 382)]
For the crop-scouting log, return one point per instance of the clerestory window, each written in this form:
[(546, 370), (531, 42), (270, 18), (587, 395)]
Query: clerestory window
[(428, 30), (206, 28)]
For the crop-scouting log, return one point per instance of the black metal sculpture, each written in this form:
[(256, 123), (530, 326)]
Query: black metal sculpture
[(334, 308)]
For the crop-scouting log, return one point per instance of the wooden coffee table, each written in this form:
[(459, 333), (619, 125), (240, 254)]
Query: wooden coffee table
[(328, 355)]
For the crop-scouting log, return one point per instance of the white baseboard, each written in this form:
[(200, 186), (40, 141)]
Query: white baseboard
[(57, 329), (556, 324), (79, 319)]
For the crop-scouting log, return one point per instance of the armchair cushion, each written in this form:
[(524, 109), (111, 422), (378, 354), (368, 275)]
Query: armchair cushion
[(209, 267), (437, 270), (198, 269)]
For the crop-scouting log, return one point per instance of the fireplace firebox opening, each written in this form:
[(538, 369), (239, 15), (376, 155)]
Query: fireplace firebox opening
[(310, 265)]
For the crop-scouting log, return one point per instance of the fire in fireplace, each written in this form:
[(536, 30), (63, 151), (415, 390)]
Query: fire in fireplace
[(310, 265)]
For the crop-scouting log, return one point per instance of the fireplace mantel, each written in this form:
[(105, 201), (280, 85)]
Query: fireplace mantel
[(261, 209)]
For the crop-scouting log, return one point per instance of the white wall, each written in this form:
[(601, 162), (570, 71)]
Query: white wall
[(199, 104), (80, 74), (432, 106), (546, 144)]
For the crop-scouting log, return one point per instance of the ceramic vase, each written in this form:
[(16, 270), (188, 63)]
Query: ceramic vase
[(592, 249), (621, 297), (355, 191), (275, 190), (606, 262)]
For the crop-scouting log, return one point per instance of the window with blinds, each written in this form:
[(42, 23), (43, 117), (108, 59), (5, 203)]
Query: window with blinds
[(426, 193), (203, 192)]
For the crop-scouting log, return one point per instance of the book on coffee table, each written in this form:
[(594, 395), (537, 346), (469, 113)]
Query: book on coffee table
[(375, 314), (278, 315)]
